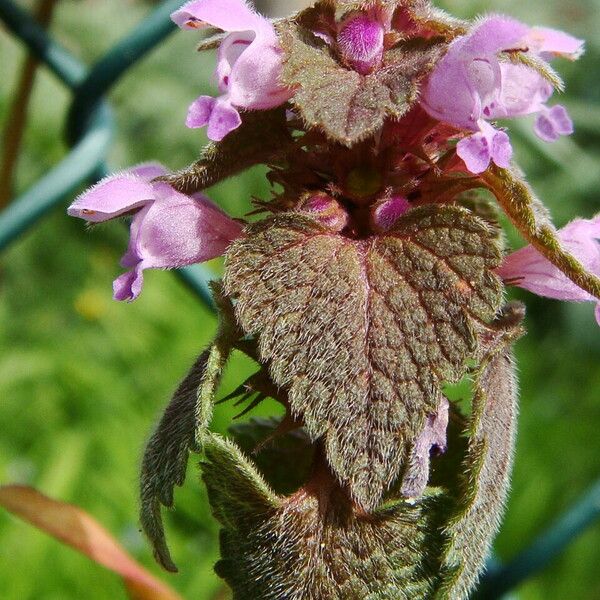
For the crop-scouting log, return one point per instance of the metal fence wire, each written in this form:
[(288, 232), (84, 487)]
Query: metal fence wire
[(89, 131)]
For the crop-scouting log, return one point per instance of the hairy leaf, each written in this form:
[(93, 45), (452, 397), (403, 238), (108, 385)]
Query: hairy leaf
[(348, 106), (238, 493), (434, 19), (313, 545), (531, 218), (181, 430), (362, 333), (166, 456), (487, 465), (262, 136)]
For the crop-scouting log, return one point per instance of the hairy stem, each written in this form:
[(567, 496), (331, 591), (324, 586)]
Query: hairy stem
[(529, 216)]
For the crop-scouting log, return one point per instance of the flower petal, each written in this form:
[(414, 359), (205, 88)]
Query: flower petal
[(553, 122), (128, 287), (148, 170), (218, 113), (543, 40), (468, 79), (386, 213), (360, 40), (228, 15), (501, 149), (179, 230), (491, 35), (432, 438), (230, 50), (254, 81), (471, 83), (476, 152), (224, 118), (528, 269), (111, 197), (199, 112), (524, 91)]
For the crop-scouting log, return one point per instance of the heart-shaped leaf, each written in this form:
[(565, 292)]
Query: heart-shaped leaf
[(363, 332), (348, 106)]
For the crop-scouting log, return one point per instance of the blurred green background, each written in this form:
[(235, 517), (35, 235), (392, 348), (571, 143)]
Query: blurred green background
[(83, 379)]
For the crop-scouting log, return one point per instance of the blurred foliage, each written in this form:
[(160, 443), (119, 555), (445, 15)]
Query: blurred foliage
[(83, 379)]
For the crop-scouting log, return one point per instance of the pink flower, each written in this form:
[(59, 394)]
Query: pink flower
[(169, 229), (471, 86), (528, 269), (248, 64), (327, 210)]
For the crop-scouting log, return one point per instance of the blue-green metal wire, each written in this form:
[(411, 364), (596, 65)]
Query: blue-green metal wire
[(90, 124), (105, 73), (90, 130), (79, 165), (545, 548), (85, 156), (60, 61)]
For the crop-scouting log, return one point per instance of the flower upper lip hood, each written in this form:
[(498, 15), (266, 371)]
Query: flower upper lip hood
[(168, 230), (248, 64), (476, 82)]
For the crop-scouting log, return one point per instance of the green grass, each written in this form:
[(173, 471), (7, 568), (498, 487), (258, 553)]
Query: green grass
[(83, 379)]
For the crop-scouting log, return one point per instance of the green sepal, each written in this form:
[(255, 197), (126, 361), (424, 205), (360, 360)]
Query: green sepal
[(181, 430)]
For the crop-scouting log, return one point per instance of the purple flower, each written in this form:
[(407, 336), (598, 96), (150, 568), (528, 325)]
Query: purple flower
[(487, 144), (169, 229), (325, 209), (248, 64), (528, 269), (472, 85), (431, 440)]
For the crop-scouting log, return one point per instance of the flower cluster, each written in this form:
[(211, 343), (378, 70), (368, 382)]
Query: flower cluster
[(248, 64), (479, 80), (494, 71)]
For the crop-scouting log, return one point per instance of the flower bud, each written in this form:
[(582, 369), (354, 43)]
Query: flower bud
[(387, 212), (360, 41), (327, 210)]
